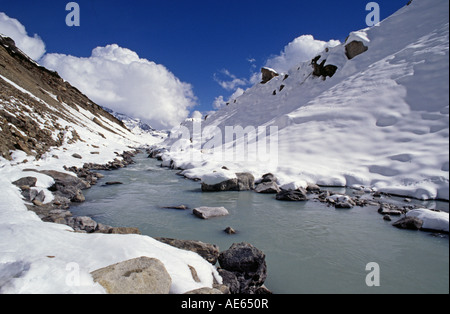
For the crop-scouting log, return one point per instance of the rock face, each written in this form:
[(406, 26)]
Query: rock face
[(21, 114), (209, 252), (268, 74), (141, 275), (210, 212), (244, 266), (354, 49)]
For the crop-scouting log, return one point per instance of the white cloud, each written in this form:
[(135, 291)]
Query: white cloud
[(117, 78), (301, 49), (229, 81), (34, 47), (219, 102)]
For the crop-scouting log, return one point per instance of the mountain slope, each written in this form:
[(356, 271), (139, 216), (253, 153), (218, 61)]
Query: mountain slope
[(380, 121)]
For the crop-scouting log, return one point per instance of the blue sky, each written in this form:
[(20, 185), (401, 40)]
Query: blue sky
[(198, 41)]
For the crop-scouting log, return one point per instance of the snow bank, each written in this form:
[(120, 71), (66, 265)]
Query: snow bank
[(431, 220), (381, 122), (49, 258)]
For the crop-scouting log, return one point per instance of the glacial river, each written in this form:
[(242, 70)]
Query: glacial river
[(309, 247)]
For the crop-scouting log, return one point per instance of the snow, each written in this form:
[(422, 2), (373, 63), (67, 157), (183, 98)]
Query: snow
[(218, 177), (48, 258), (381, 122), (431, 219)]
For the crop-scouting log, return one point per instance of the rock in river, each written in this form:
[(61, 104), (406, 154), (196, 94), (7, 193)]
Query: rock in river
[(210, 212)]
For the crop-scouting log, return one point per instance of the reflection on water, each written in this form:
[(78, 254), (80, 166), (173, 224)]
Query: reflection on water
[(309, 247)]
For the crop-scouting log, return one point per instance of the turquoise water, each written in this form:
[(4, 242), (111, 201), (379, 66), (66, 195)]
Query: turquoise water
[(309, 247)]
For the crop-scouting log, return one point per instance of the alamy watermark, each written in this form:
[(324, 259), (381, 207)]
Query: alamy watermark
[(373, 277), (373, 18), (73, 18), (232, 143)]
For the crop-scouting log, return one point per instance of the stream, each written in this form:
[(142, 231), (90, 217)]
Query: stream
[(309, 247)]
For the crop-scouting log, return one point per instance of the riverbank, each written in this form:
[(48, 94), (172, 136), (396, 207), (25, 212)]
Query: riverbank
[(39, 256)]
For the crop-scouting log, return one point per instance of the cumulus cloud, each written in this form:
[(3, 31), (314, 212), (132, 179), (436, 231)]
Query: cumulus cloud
[(301, 49), (119, 79), (34, 47)]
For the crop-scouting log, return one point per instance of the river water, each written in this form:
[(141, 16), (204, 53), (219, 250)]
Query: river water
[(309, 247)]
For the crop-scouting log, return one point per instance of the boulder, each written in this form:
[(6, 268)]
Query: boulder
[(410, 223), (209, 252), (267, 188), (82, 224), (230, 280), (354, 49), (66, 185), (245, 181), (268, 74), (248, 265), (292, 195), (26, 181), (210, 212), (141, 275), (389, 209), (268, 177)]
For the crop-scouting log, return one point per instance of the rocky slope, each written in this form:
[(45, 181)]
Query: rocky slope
[(39, 110)]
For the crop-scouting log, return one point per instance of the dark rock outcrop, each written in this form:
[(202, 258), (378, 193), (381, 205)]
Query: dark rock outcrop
[(268, 74), (244, 265), (354, 49)]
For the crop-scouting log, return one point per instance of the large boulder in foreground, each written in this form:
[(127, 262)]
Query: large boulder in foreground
[(141, 275)]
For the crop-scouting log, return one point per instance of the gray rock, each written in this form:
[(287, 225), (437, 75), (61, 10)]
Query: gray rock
[(247, 263), (26, 181), (78, 156), (209, 252), (141, 275), (230, 280), (246, 181), (313, 188), (229, 230), (268, 188), (410, 223), (268, 177), (354, 49), (388, 209), (210, 212), (295, 195), (67, 185), (228, 185), (82, 224)]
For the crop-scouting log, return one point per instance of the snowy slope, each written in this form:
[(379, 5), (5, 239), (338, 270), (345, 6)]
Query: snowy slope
[(382, 121), (48, 121)]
